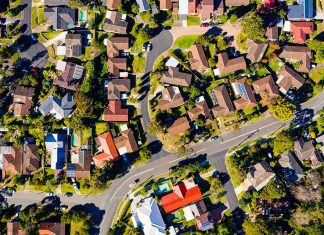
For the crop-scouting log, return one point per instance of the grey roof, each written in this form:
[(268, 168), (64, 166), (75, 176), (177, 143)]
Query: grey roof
[(143, 5), (63, 106), (53, 3), (303, 10), (61, 17)]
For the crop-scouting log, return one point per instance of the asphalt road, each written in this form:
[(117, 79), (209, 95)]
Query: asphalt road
[(26, 16)]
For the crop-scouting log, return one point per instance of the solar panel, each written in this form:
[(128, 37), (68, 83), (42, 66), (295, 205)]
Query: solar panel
[(243, 91)]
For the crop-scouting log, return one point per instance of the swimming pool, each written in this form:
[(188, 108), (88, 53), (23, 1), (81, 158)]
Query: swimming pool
[(83, 16), (163, 188), (74, 140)]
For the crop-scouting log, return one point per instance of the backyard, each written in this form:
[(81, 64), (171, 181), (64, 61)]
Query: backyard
[(185, 42)]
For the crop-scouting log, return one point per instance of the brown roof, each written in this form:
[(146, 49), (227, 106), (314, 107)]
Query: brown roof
[(207, 9), (266, 87), (116, 65), (13, 228), (31, 159), (259, 174), (227, 65), (126, 143), (200, 110), (118, 86), (224, 104), (298, 54), (179, 126), (289, 78), (272, 32), (114, 23), (73, 45), (12, 158), (175, 7), (233, 3), (198, 60), (305, 150), (113, 4), (256, 50), (117, 44), (244, 90), (48, 228), (22, 100), (165, 4), (115, 112), (81, 167), (174, 77), (71, 77), (171, 98)]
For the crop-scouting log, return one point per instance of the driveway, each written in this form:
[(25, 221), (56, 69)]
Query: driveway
[(190, 30)]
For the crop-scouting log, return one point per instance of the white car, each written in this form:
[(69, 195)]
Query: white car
[(50, 194), (132, 184)]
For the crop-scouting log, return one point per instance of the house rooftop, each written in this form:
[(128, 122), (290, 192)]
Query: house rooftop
[(115, 112), (227, 65), (179, 126)]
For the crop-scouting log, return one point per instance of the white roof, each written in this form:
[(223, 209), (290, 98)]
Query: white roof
[(123, 127), (122, 150), (61, 65), (172, 62), (150, 217), (188, 213), (183, 7), (123, 74), (61, 50), (216, 72), (287, 27)]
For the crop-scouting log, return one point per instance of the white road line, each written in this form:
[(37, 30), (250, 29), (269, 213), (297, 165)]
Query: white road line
[(143, 172), (248, 132), (178, 159)]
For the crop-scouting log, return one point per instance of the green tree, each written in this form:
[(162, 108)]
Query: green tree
[(154, 128), (283, 142), (316, 45), (253, 26), (145, 153), (233, 18), (317, 75), (273, 190), (282, 109), (143, 35)]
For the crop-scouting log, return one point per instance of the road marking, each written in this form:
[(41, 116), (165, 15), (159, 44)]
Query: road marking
[(143, 172), (249, 132), (178, 159)]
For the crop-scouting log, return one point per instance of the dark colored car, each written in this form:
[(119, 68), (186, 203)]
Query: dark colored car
[(204, 25)]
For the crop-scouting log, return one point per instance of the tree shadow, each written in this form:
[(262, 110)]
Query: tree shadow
[(155, 146)]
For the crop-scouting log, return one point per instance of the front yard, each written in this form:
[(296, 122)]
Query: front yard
[(185, 42), (38, 17)]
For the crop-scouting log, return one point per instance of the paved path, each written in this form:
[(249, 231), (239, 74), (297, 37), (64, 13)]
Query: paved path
[(190, 30), (59, 37)]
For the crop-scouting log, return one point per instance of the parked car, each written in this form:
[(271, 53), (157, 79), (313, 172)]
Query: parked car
[(63, 208), (124, 54), (134, 183), (149, 47), (68, 194), (50, 194), (214, 138), (33, 37), (204, 25), (75, 186), (144, 47)]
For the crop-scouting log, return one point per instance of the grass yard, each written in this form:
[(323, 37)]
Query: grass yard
[(102, 127), (67, 188), (274, 65), (86, 134), (185, 42), (38, 16), (263, 72), (50, 35), (76, 228), (138, 64), (193, 21)]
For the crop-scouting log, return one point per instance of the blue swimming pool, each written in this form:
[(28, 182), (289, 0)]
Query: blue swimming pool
[(83, 16)]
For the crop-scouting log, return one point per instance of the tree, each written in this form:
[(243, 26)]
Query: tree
[(317, 75), (253, 26), (145, 153), (76, 3), (233, 18), (143, 35), (282, 109), (272, 191), (154, 128), (283, 142), (316, 45)]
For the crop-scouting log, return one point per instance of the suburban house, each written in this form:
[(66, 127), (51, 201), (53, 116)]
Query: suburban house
[(71, 76), (227, 65), (179, 126), (291, 170), (117, 66), (298, 54), (107, 150), (201, 110), (115, 22), (320, 141), (198, 60), (11, 159), (256, 50), (80, 164), (126, 142), (148, 216), (185, 193), (56, 146), (174, 77), (117, 88), (222, 101), (244, 91), (210, 8), (289, 78), (113, 4), (143, 5), (306, 151), (114, 112), (72, 46), (53, 3), (58, 108), (202, 216), (266, 88), (303, 10), (171, 98), (31, 159), (45, 228), (260, 175), (272, 32), (236, 3), (22, 100), (61, 18), (300, 30), (116, 45)]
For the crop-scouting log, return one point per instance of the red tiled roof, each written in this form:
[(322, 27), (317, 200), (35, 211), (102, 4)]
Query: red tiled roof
[(181, 196), (300, 30), (115, 113), (109, 153)]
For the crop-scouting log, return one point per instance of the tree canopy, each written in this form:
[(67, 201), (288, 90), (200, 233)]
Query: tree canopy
[(253, 26), (282, 109), (282, 143)]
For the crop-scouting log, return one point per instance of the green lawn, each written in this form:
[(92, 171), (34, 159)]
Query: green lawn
[(274, 65), (263, 72), (67, 188), (138, 64), (185, 42), (50, 35), (76, 228), (86, 133), (38, 16), (102, 127), (193, 21)]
